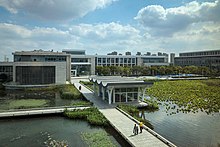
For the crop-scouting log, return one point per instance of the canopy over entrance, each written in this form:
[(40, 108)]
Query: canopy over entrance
[(119, 89)]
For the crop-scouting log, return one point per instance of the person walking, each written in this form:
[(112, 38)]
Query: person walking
[(135, 129), (80, 87), (141, 126)]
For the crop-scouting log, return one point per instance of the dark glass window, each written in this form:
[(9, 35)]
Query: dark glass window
[(35, 75)]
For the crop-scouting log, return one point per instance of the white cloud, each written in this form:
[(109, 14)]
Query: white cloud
[(105, 31), (165, 22), (57, 10), (106, 37)]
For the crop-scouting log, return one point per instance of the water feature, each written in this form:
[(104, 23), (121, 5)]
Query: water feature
[(16, 99), (38, 131), (191, 129)]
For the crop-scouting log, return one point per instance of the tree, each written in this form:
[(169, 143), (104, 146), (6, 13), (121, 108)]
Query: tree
[(127, 71)]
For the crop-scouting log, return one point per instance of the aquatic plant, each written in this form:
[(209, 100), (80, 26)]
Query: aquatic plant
[(188, 95), (70, 92), (92, 115), (82, 103), (152, 105), (27, 103), (97, 139)]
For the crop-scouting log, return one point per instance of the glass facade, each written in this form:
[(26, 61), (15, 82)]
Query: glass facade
[(153, 60), (8, 70), (82, 69), (35, 75), (122, 93)]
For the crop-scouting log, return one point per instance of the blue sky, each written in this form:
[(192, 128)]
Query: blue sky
[(102, 26)]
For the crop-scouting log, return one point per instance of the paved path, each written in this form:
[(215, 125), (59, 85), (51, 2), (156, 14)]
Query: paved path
[(122, 123), (37, 112)]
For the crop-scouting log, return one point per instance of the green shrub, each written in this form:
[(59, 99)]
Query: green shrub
[(134, 112), (92, 115), (82, 103), (87, 84), (70, 92)]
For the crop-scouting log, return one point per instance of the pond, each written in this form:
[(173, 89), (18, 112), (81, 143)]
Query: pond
[(191, 129), (38, 131), (18, 99)]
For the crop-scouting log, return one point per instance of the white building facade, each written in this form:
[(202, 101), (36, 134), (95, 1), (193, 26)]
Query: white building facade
[(82, 64)]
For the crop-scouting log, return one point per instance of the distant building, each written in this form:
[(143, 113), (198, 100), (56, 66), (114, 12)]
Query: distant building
[(138, 53), (172, 56), (209, 59), (39, 67), (85, 64), (127, 53)]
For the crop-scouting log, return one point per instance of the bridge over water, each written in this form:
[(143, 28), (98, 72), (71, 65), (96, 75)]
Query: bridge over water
[(124, 123)]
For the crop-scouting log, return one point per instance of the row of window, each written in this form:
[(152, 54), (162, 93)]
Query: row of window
[(115, 60), (25, 58), (6, 69), (153, 60), (201, 53)]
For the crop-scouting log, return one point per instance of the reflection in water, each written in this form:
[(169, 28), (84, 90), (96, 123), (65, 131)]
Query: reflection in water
[(37, 132), (191, 129)]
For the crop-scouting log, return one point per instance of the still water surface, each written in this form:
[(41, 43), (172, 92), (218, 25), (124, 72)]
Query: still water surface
[(189, 129), (34, 131), (52, 99)]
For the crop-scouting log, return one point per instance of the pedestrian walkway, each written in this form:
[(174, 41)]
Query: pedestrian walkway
[(123, 124), (37, 111)]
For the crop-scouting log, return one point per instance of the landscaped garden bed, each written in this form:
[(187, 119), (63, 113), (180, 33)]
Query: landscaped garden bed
[(92, 115)]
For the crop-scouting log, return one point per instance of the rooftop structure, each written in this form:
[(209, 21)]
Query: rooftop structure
[(116, 89)]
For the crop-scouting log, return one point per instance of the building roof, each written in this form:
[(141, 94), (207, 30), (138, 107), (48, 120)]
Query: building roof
[(39, 52), (106, 81)]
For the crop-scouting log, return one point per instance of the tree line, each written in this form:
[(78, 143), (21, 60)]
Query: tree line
[(154, 70)]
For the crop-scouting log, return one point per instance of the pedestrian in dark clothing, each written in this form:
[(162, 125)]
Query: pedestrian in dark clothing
[(135, 130), (80, 87)]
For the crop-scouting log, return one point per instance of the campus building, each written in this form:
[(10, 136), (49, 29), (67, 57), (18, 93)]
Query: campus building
[(209, 59), (118, 89), (82, 64), (38, 67)]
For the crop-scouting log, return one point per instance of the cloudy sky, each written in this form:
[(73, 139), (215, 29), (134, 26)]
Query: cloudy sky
[(102, 26)]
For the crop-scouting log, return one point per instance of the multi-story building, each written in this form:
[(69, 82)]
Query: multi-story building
[(172, 56), (209, 59), (38, 67), (82, 64)]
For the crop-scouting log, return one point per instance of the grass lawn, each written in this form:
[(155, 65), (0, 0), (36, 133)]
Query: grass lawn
[(188, 95), (27, 103)]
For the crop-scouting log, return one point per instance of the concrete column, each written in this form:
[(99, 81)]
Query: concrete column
[(94, 88), (99, 90), (14, 73), (113, 95), (110, 95), (139, 90), (103, 93), (144, 90), (126, 97)]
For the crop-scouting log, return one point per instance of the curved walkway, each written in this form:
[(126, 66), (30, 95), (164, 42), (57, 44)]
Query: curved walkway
[(121, 122)]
